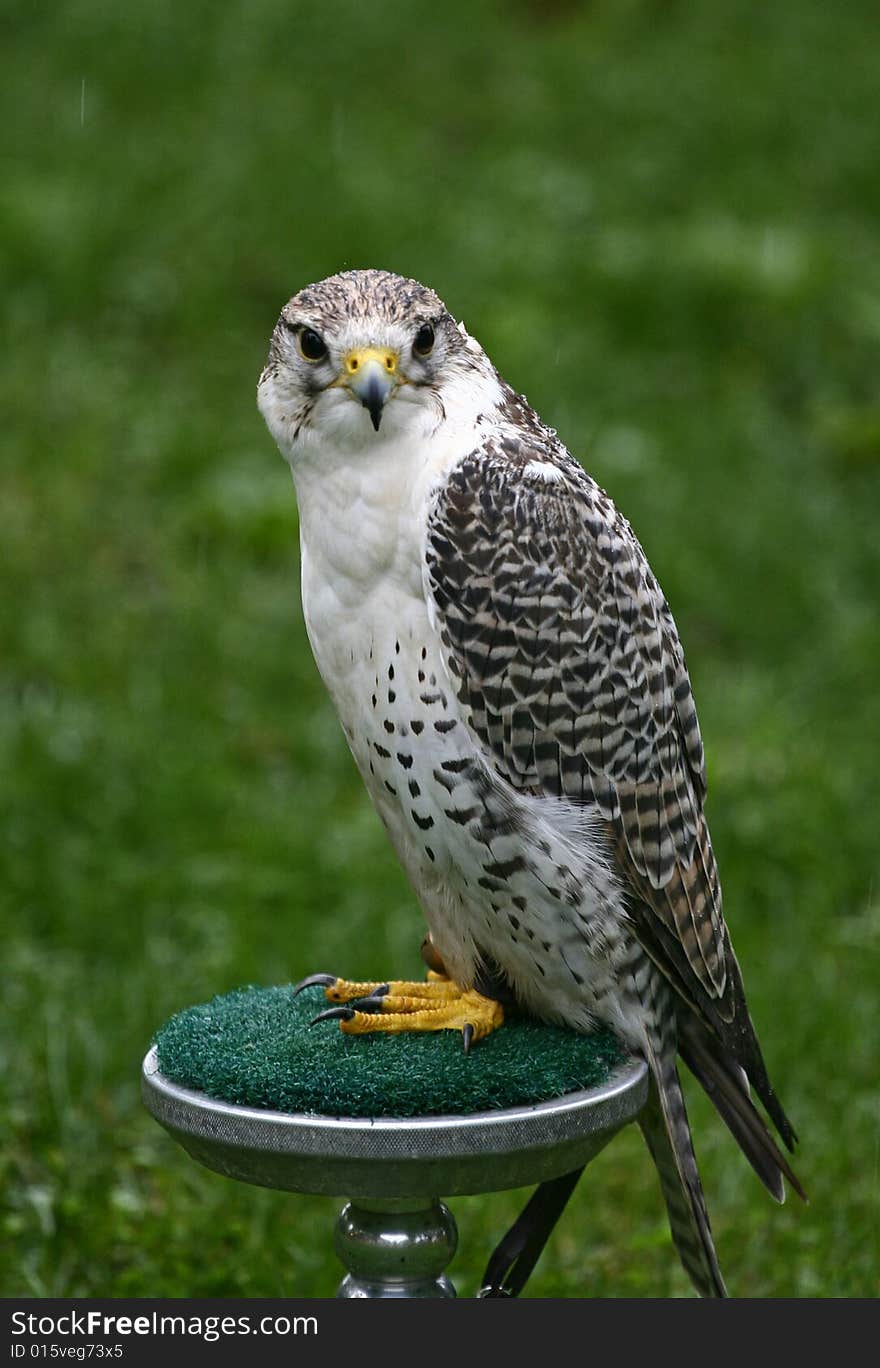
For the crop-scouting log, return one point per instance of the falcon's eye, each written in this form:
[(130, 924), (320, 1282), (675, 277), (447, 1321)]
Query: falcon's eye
[(312, 345), (423, 342)]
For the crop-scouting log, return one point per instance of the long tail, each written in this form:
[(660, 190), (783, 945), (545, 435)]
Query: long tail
[(664, 1124), (727, 1086)]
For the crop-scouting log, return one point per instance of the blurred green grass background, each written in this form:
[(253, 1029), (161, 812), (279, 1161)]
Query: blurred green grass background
[(661, 220)]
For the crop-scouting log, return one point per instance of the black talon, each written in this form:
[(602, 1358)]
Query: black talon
[(344, 1013), (371, 1004), (376, 994), (467, 1035), (315, 981)]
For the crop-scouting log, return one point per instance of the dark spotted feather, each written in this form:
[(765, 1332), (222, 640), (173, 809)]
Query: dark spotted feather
[(569, 670)]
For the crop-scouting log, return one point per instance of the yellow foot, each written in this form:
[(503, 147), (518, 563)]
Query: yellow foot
[(436, 1005)]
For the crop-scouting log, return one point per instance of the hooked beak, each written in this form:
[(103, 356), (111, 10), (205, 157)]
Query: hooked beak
[(371, 375)]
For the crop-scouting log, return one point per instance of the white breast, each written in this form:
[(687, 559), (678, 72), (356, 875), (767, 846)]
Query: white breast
[(363, 524)]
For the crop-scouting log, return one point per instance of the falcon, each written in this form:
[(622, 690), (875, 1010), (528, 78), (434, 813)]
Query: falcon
[(512, 686)]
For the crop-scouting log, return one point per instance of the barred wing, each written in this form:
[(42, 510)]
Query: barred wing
[(570, 671)]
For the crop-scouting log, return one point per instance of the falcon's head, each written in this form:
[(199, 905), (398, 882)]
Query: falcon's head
[(362, 357)]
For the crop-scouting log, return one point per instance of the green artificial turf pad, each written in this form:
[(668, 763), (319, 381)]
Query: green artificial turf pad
[(254, 1047)]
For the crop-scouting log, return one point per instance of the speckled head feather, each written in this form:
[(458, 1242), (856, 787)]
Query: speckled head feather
[(371, 299), (366, 294), (351, 319)]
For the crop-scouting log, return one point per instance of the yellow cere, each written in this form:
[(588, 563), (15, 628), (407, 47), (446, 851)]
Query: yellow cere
[(361, 356)]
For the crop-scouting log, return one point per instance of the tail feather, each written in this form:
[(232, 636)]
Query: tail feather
[(664, 1124), (729, 1095)]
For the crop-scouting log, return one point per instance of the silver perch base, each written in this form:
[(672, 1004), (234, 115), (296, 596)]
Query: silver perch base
[(395, 1237)]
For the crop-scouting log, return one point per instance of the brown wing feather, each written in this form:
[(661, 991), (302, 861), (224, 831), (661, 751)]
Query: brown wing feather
[(572, 674)]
